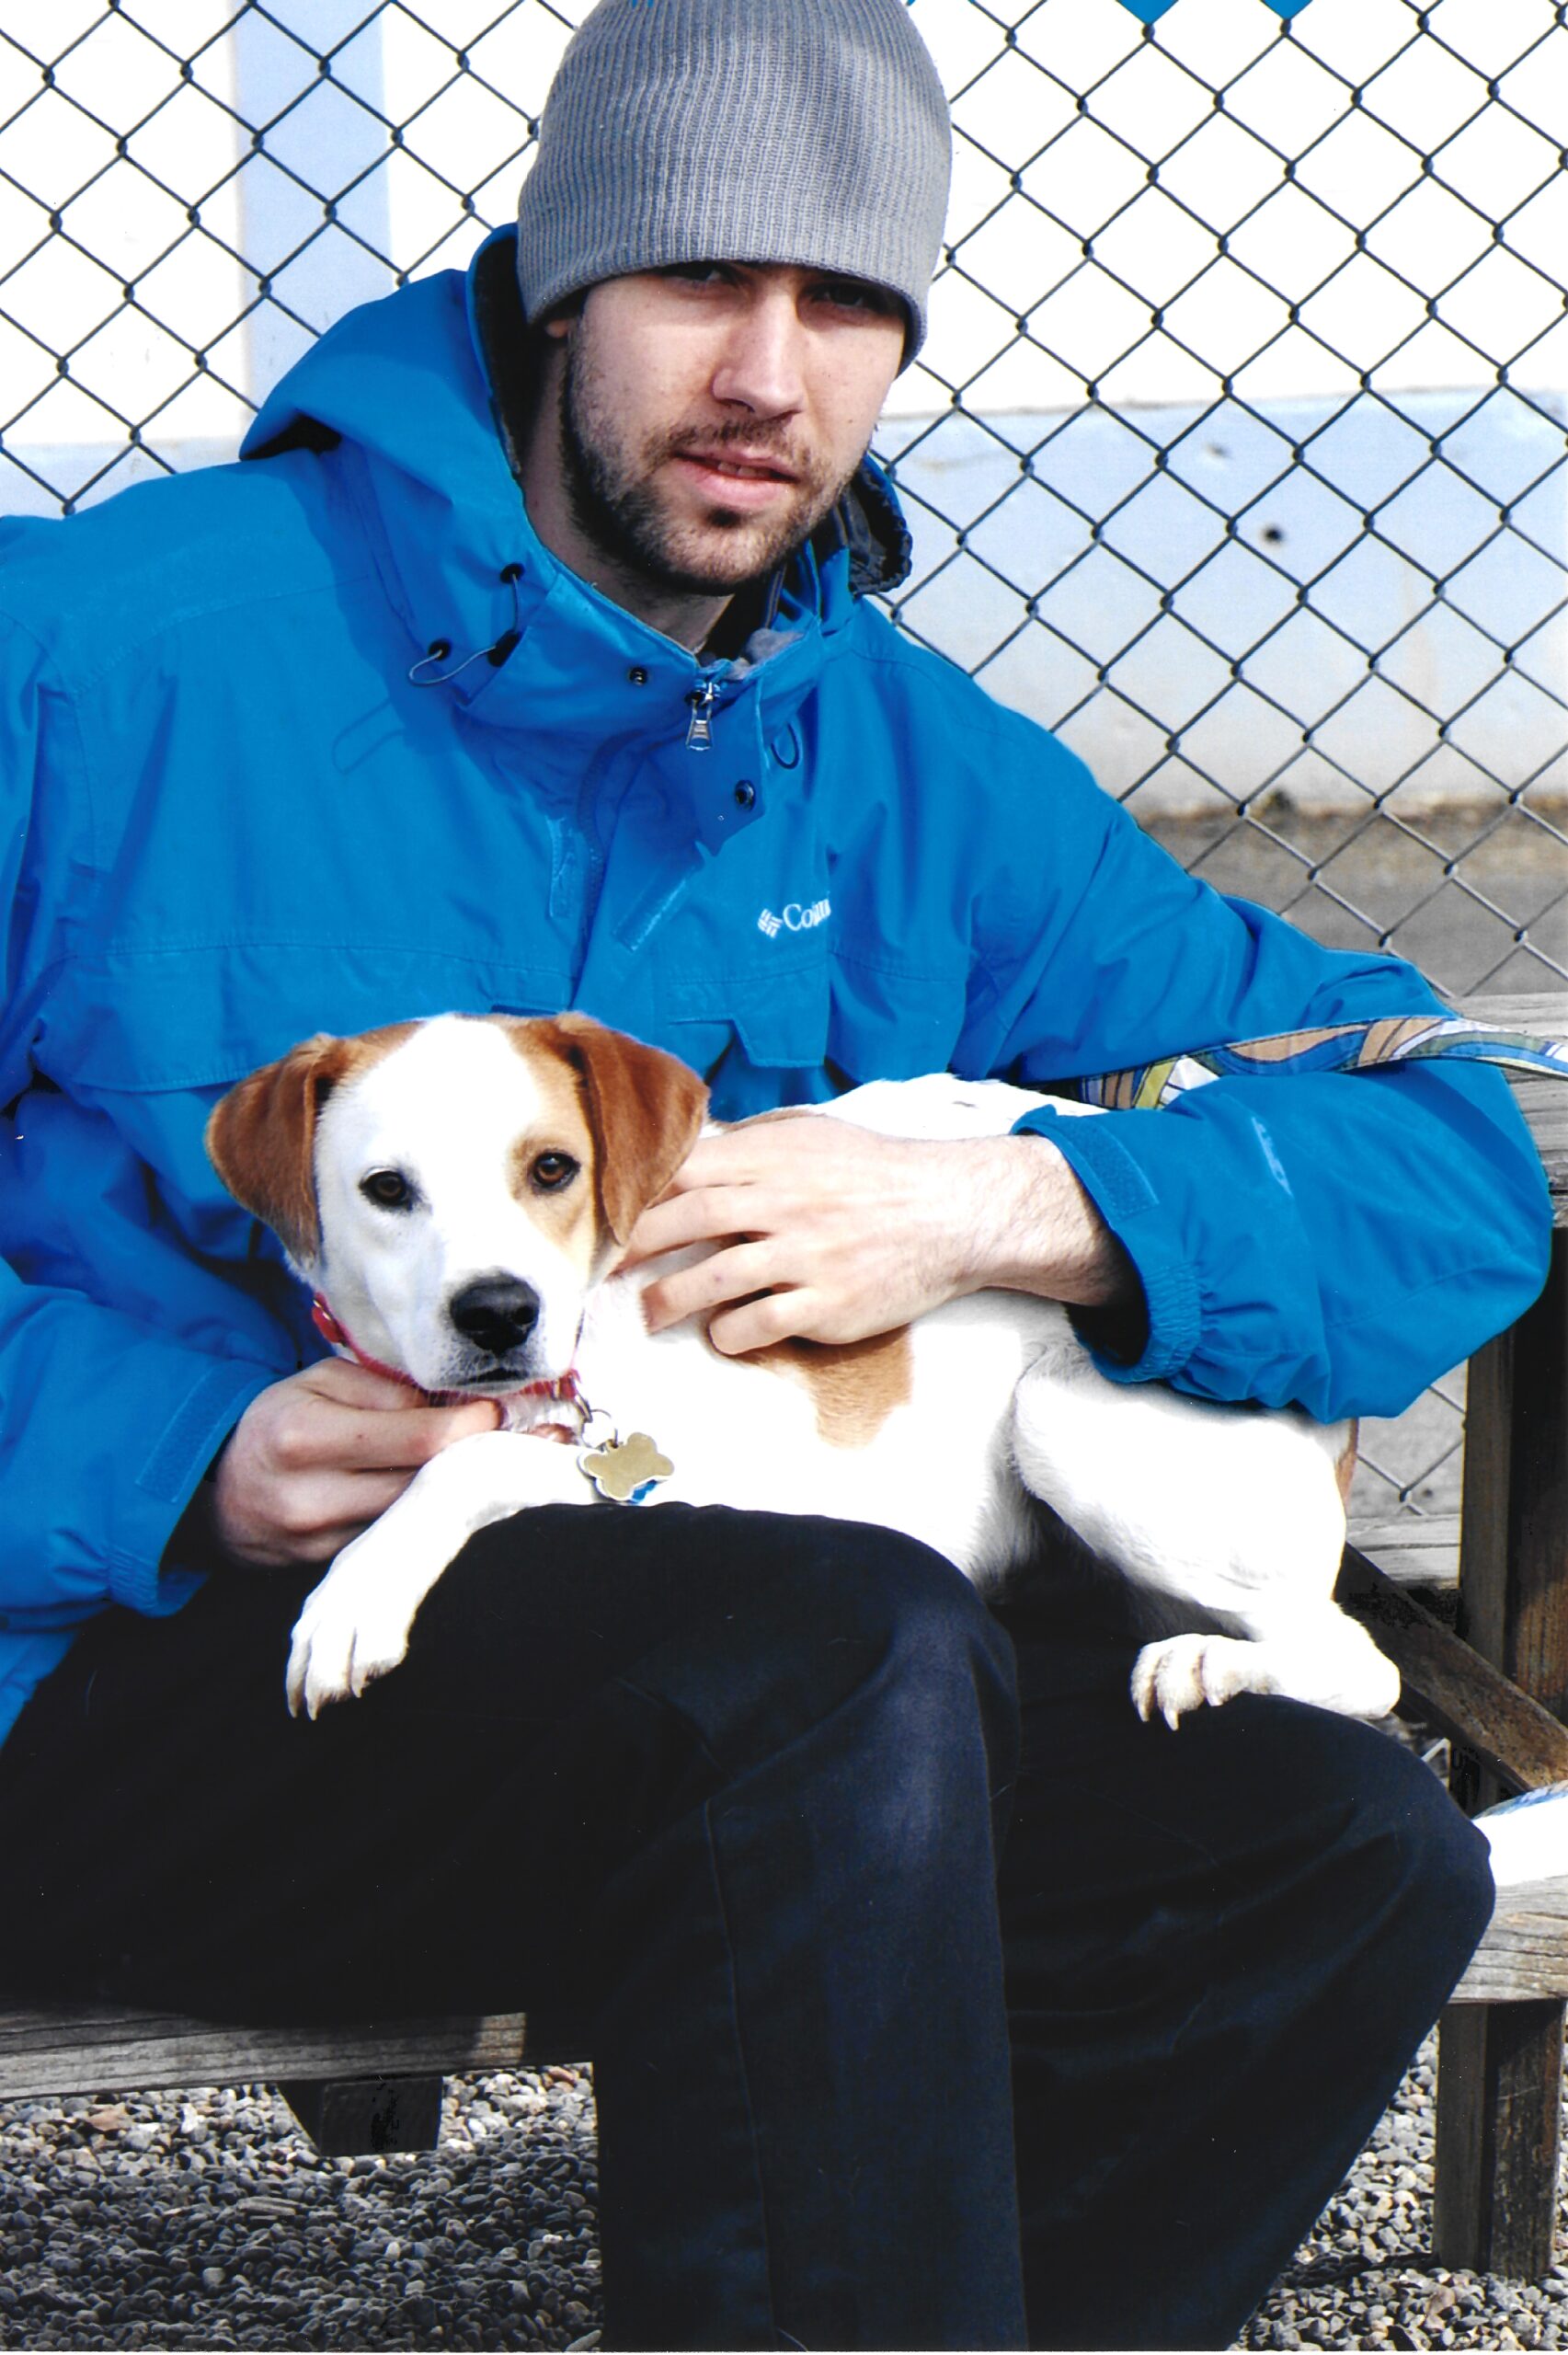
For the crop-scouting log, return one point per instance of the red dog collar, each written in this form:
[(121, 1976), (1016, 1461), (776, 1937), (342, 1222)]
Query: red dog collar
[(562, 1388)]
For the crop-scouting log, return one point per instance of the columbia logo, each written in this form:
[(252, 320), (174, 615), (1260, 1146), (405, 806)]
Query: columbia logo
[(794, 918)]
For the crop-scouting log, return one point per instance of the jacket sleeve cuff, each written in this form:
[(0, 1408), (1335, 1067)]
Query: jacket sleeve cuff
[(167, 1480), (1133, 1212)]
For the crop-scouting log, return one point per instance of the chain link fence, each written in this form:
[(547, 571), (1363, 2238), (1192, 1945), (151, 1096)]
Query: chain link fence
[(1236, 453)]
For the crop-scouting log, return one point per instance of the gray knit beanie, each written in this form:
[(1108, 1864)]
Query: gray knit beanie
[(812, 132)]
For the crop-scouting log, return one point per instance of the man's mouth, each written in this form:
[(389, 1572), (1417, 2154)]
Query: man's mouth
[(729, 459), (744, 474), (745, 467)]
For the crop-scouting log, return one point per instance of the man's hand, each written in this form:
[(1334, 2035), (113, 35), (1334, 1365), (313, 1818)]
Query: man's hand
[(834, 1234), (315, 1460)]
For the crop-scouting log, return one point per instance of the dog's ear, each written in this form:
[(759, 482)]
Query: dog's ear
[(644, 1106), (262, 1140)]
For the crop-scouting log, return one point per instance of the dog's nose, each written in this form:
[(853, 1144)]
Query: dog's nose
[(495, 1312)]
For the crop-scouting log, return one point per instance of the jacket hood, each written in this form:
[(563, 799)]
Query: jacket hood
[(401, 393)]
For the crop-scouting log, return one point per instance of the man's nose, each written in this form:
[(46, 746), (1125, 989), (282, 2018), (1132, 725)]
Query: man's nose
[(763, 364)]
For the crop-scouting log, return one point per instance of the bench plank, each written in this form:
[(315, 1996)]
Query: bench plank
[(1520, 1741), (1544, 1102), (1544, 1013), (106, 2049), (1419, 1549), (1524, 1957)]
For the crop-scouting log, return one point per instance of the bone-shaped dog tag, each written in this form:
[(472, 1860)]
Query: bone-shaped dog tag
[(626, 1470)]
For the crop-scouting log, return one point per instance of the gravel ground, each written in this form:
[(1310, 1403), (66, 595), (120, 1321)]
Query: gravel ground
[(1366, 2277), (204, 2220)]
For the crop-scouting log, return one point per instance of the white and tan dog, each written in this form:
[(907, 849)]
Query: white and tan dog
[(458, 1193)]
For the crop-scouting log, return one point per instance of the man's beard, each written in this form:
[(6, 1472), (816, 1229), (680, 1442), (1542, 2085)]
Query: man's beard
[(615, 504)]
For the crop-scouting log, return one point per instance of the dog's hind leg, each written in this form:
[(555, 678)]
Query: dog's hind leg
[(1228, 1507), (1233, 1513), (1315, 1655)]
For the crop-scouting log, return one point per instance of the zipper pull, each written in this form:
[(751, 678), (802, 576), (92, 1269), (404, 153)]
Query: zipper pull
[(700, 735)]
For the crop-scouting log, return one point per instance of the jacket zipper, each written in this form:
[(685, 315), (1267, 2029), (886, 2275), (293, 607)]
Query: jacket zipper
[(699, 734)]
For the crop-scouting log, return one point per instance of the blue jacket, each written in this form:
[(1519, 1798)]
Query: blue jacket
[(326, 738)]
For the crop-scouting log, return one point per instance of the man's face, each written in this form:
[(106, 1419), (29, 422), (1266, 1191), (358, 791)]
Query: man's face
[(711, 414)]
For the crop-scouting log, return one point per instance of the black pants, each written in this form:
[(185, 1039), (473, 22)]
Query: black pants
[(841, 1895)]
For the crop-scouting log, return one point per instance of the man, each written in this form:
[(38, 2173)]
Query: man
[(527, 662)]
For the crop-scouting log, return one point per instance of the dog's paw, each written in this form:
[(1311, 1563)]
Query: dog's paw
[(1191, 1672), (342, 1641), (1340, 1667)]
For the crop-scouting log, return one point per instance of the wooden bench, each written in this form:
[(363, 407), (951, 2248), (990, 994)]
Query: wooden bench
[(353, 2089), (1499, 1685), (1498, 1682)]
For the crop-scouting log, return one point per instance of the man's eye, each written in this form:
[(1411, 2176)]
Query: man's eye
[(552, 1172), (387, 1188), (852, 294), (698, 273)]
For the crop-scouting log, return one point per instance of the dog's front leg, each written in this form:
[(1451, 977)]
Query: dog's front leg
[(355, 1624)]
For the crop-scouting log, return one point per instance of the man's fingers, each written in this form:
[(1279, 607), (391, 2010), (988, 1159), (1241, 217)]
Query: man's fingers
[(764, 1149), (708, 1216), (734, 1157), (311, 1427), (300, 1517), (317, 1457), (317, 1521), (359, 1442), (761, 1324), (735, 1274), (381, 1441), (356, 1386)]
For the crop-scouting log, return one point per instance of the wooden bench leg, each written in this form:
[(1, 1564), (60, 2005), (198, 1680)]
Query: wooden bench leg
[(1499, 2101), (1500, 2074), (345, 2117)]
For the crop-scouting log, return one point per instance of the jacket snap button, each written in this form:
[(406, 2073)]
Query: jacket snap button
[(745, 794), (637, 676)]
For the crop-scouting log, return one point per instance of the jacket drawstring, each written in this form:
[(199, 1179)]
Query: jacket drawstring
[(420, 674)]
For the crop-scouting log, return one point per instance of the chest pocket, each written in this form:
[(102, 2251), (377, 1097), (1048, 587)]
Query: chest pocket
[(761, 1037), (148, 1039), (150, 1021), (892, 1020), (806, 1028)]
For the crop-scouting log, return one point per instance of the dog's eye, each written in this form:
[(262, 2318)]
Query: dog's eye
[(553, 1171), (387, 1188)]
